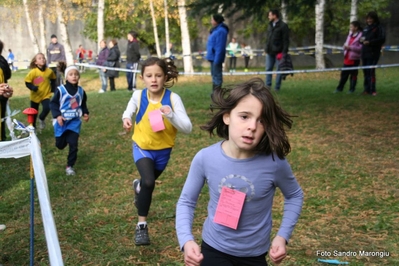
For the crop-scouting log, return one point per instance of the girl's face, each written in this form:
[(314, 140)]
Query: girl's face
[(154, 79), (353, 29), (369, 21), (111, 44), (40, 60), (245, 128), (73, 76)]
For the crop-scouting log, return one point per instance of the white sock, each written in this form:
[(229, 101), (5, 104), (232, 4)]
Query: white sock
[(142, 223)]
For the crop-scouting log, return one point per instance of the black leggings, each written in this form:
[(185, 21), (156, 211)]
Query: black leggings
[(45, 109), (112, 83), (148, 174), (71, 138), (3, 104)]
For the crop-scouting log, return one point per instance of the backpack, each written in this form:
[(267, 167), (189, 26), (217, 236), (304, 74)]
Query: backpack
[(6, 68)]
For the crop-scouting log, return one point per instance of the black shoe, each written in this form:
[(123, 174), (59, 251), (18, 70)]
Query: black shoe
[(141, 235)]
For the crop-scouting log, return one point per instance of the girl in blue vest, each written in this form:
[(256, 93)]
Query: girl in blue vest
[(160, 113), (67, 106)]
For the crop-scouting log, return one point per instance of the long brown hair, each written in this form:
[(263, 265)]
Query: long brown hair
[(32, 64), (274, 118)]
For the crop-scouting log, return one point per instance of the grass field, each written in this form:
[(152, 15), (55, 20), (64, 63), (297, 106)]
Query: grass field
[(345, 155)]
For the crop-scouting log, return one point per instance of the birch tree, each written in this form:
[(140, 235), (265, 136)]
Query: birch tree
[(100, 23), (63, 31), (42, 32), (30, 27), (167, 48), (319, 36), (284, 15), (353, 15), (154, 25), (185, 37)]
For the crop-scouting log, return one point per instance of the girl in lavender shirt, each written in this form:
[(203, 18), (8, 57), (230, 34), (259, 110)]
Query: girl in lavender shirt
[(250, 162)]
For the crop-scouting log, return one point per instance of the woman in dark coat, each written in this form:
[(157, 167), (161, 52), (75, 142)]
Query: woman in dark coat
[(113, 61)]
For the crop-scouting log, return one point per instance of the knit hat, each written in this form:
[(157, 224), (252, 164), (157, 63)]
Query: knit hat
[(70, 68), (53, 36)]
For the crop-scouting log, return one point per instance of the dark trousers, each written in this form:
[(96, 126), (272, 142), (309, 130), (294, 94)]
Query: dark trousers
[(58, 76), (131, 76), (3, 104), (148, 174), (246, 59), (369, 74), (112, 83), (345, 74), (233, 61), (215, 257), (45, 110), (71, 138)]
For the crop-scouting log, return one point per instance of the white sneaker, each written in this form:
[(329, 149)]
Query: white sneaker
[(69, 171), (2, 227), (42, 124), (101, 91)]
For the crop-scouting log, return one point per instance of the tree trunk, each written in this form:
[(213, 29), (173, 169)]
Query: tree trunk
[(185, 37), (353, 15), (100, 23), (284, 15), (64, 33), (167, 48), (30, 27), (154, 24), (319, 36), (42, 35)]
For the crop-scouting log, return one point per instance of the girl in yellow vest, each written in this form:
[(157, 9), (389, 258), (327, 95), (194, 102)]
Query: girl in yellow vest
[(41, 81), (160, 113)]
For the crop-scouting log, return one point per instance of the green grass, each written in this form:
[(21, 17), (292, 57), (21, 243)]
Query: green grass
[(345, 151)]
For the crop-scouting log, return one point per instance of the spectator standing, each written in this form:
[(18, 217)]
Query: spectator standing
[(102, 61), (352, 52), (232, 50), (216, 49), (132, 59), (277, 43), (246, 52), (10, 59), (55, 54), (80, 56), (113, 59), (373, 38)]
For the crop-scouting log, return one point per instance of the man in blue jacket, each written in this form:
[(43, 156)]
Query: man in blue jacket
[(216, 49)]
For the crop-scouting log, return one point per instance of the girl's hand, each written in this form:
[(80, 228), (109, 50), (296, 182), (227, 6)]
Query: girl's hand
[(127, 124), (192, 254), (165, 109), (60, 120), (86, 117), (278, 250)]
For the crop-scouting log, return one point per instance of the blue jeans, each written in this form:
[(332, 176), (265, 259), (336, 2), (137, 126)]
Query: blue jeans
[(217, 74), (131, 76), (270, 61), (104, 80)]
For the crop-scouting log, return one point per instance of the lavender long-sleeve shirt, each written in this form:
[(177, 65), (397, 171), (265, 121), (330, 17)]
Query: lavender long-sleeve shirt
[(258, 177)]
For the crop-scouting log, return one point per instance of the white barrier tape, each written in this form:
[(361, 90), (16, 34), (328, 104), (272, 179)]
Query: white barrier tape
[(259, 72), (31, 146)]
